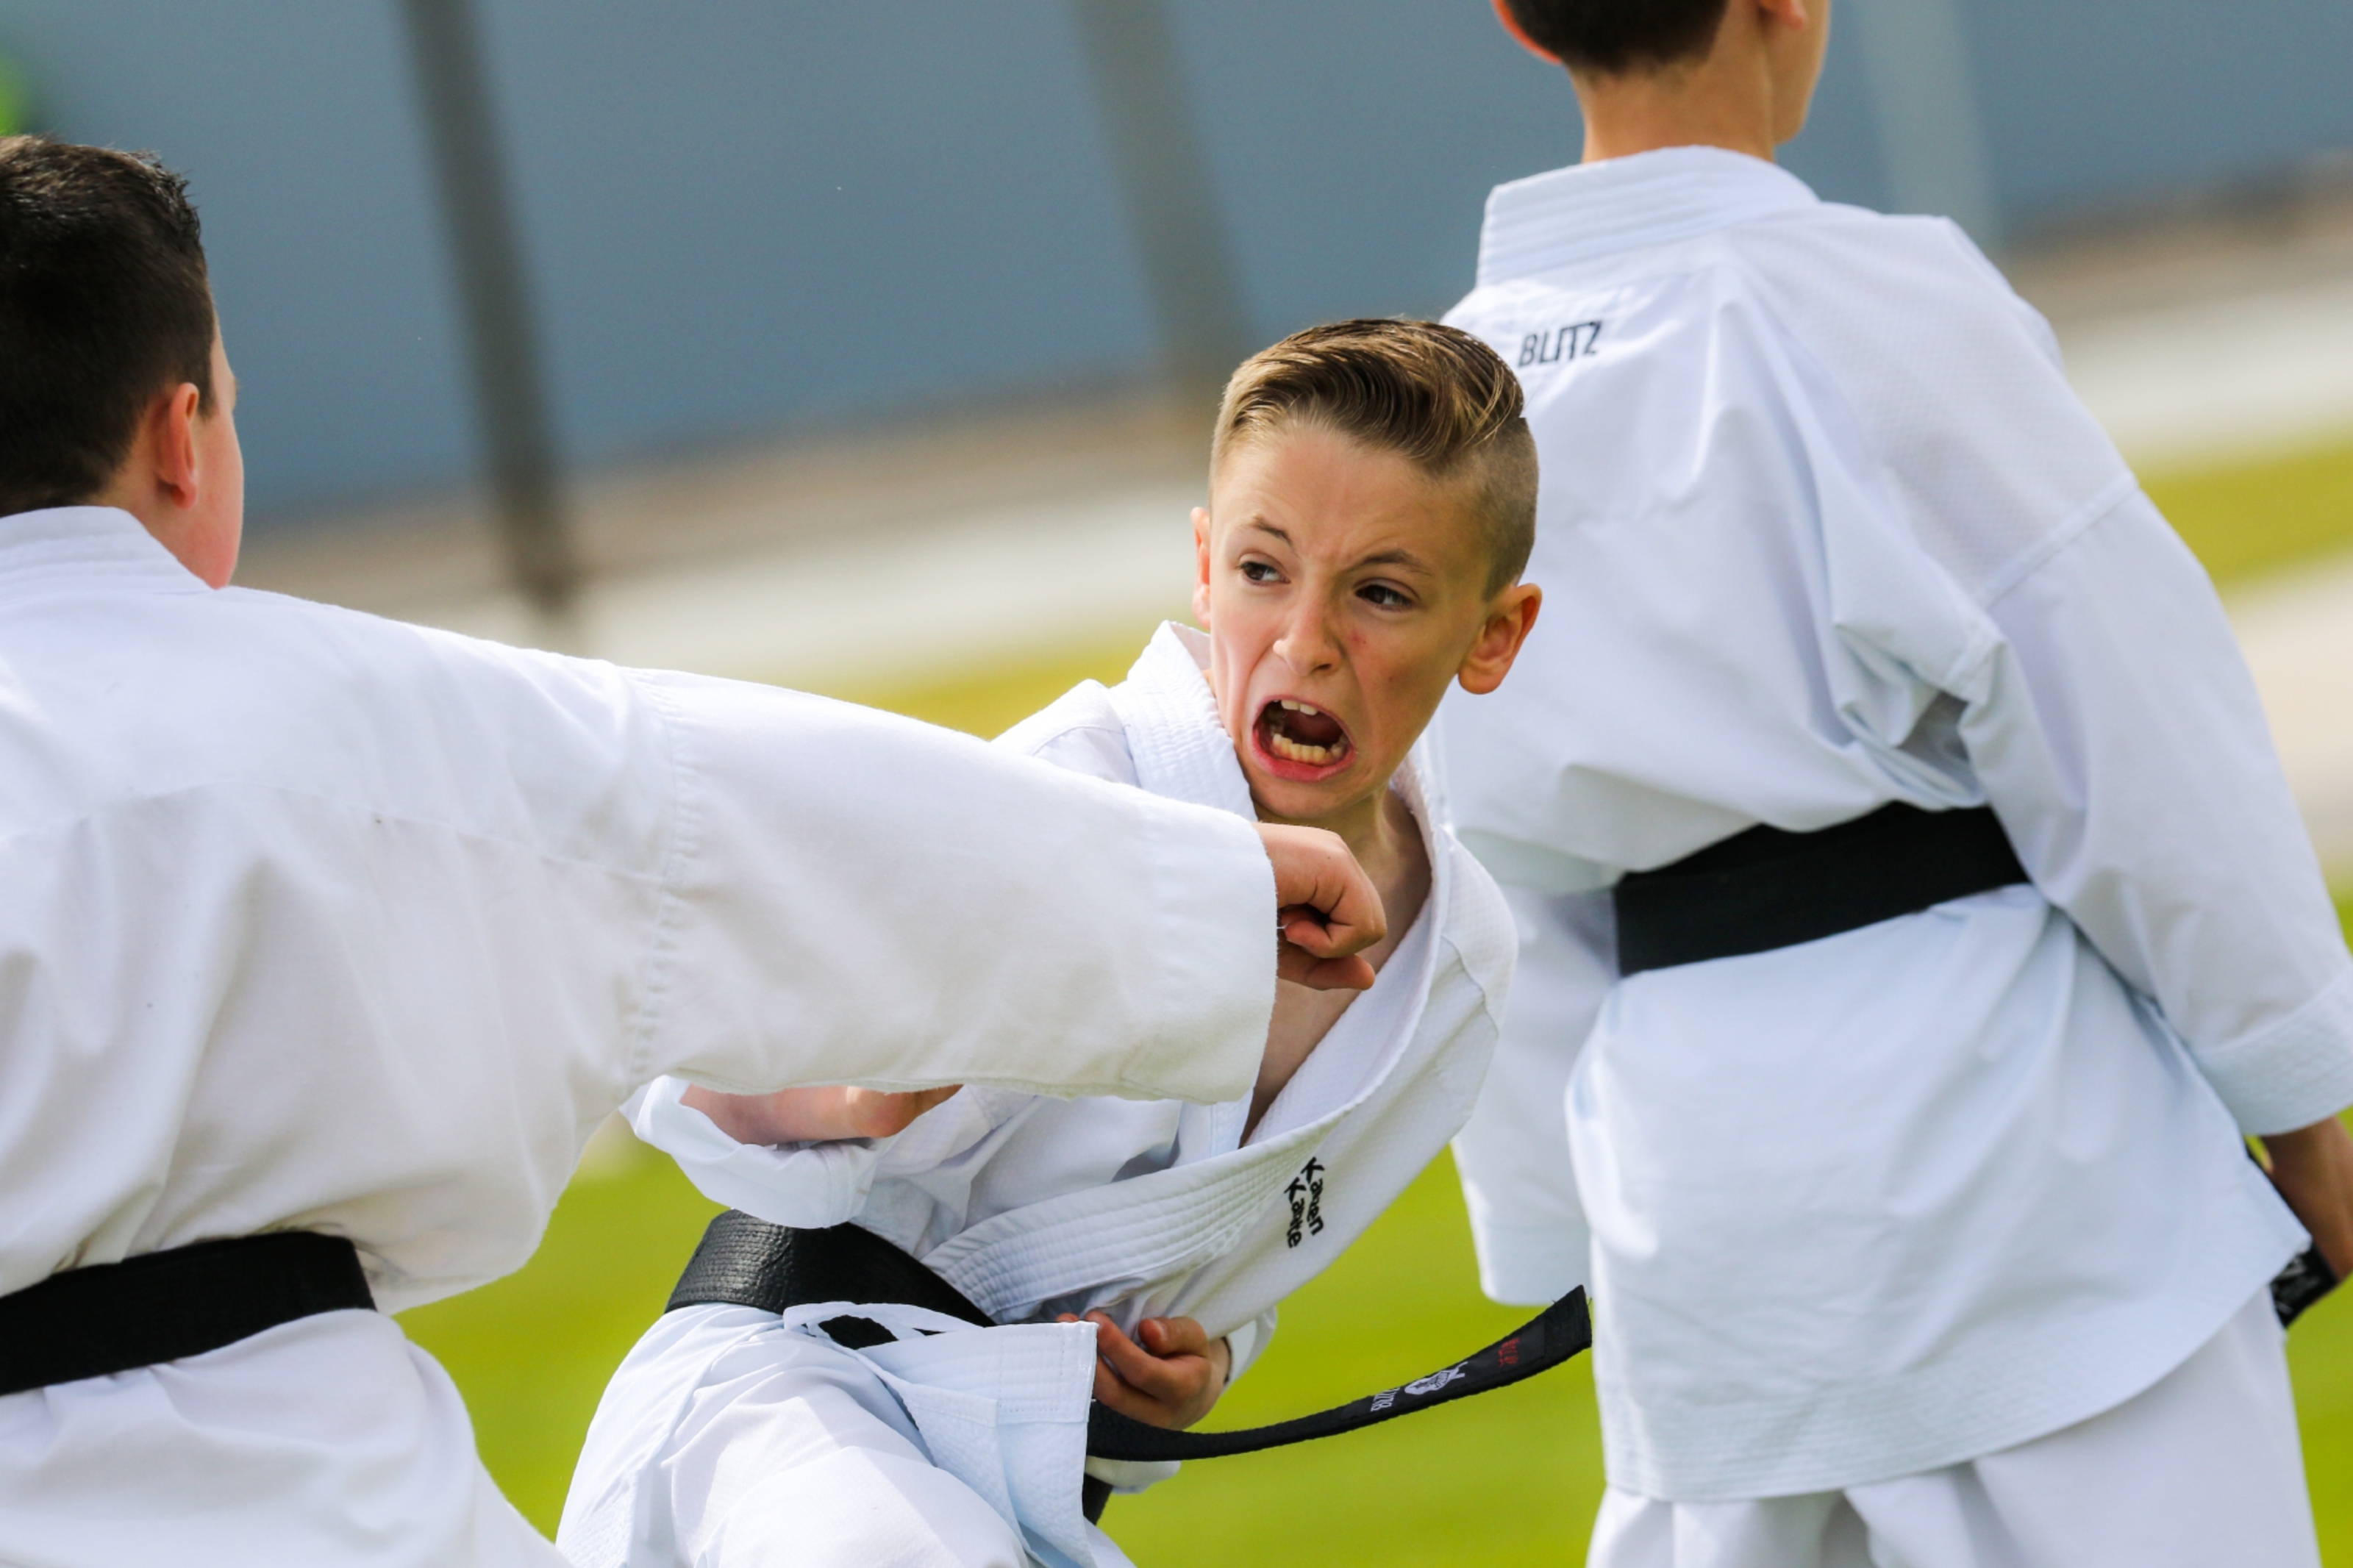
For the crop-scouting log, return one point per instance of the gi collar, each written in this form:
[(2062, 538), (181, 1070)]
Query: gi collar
[(89, 541), (1623, 204), (1179, 745)]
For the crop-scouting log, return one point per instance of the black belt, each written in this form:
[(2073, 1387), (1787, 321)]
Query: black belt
[(164, 1306), (1767, 887), (747, 1262)]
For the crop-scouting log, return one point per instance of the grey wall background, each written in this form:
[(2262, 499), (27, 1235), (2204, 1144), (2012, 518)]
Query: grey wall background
[(743, 216)]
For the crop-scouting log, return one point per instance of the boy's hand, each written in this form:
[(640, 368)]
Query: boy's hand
[(2313, 1168), (812, 1115), (1170, 1380), (1326, 907)]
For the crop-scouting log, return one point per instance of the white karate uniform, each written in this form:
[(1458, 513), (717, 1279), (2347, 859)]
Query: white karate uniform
[(730, 1437), (320, 921), (1822, 527)]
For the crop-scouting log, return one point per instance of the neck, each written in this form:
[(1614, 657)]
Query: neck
[(1624, 122), (1729, 98)]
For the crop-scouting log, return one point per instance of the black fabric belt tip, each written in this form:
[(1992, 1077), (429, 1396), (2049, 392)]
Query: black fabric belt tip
[(1551, 1337), (167, 1306)]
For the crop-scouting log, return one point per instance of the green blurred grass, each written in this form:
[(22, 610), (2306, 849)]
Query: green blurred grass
[(2264, 516), (1511, 1478)]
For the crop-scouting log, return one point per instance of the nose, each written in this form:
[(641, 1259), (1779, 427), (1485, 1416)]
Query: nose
[(1307, 644)]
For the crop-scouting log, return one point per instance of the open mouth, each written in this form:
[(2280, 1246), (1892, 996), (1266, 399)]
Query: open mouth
[(1311, 741)]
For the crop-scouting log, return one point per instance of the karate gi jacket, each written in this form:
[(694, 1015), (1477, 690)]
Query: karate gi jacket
[(321, 921), (1821, 527), (1034, 1206)]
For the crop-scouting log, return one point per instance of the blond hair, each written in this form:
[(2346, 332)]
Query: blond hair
[(1431, 393)]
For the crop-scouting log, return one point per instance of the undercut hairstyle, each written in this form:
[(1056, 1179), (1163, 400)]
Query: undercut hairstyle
[(1433, 394), (1612, 38), (105, 305)]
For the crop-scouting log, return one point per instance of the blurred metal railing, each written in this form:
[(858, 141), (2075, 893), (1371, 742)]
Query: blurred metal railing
[(502, 336)]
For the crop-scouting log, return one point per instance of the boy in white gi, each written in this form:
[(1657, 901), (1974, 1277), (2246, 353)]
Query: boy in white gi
[(1371, 495), (1922, 1231), (328, 942)]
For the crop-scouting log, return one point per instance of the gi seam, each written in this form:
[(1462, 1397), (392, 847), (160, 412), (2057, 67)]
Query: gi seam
[(686, 843), (2102, 501)]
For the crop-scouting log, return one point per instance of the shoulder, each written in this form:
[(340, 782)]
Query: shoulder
[(1952, 381), (1839, 271), (351, 650), (1081, 730)]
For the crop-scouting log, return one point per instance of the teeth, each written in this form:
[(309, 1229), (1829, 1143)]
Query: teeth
[(1288, 706), (1284, 746), (1291, 707)]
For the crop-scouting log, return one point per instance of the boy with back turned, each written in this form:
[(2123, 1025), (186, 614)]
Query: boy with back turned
[(1893, 823)]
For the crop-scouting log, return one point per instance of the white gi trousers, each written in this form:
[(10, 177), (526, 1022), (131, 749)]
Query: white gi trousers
[(733, 1439), (2200, 1469)]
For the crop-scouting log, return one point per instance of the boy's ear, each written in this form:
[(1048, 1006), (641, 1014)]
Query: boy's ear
[(1509, 620), (1503, 14), (1201, 566)]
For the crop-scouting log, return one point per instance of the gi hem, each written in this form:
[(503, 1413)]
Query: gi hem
[(1961, 1409)]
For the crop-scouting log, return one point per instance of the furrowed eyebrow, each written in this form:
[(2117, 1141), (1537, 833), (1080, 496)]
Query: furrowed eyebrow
[(1399, 557)]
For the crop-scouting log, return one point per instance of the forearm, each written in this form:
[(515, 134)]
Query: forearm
[(2313, 1167), (813, 1115)]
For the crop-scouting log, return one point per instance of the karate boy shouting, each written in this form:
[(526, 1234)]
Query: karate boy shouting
[(327, 941), (1372, 493), (1893, 822)]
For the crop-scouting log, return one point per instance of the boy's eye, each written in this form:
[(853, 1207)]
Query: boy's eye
[(1261, 570), (1383, 595)]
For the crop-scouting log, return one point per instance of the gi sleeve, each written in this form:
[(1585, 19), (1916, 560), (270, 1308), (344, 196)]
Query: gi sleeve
[(2118, 735), (1249, 1343), (1526, 1220), (852, 896)]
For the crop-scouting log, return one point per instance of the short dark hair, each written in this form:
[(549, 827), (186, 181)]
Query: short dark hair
[(104, 305), (1611, 37), (1430, 393)]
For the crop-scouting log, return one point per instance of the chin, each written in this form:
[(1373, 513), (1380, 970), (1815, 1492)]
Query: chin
[(1275, 786)]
